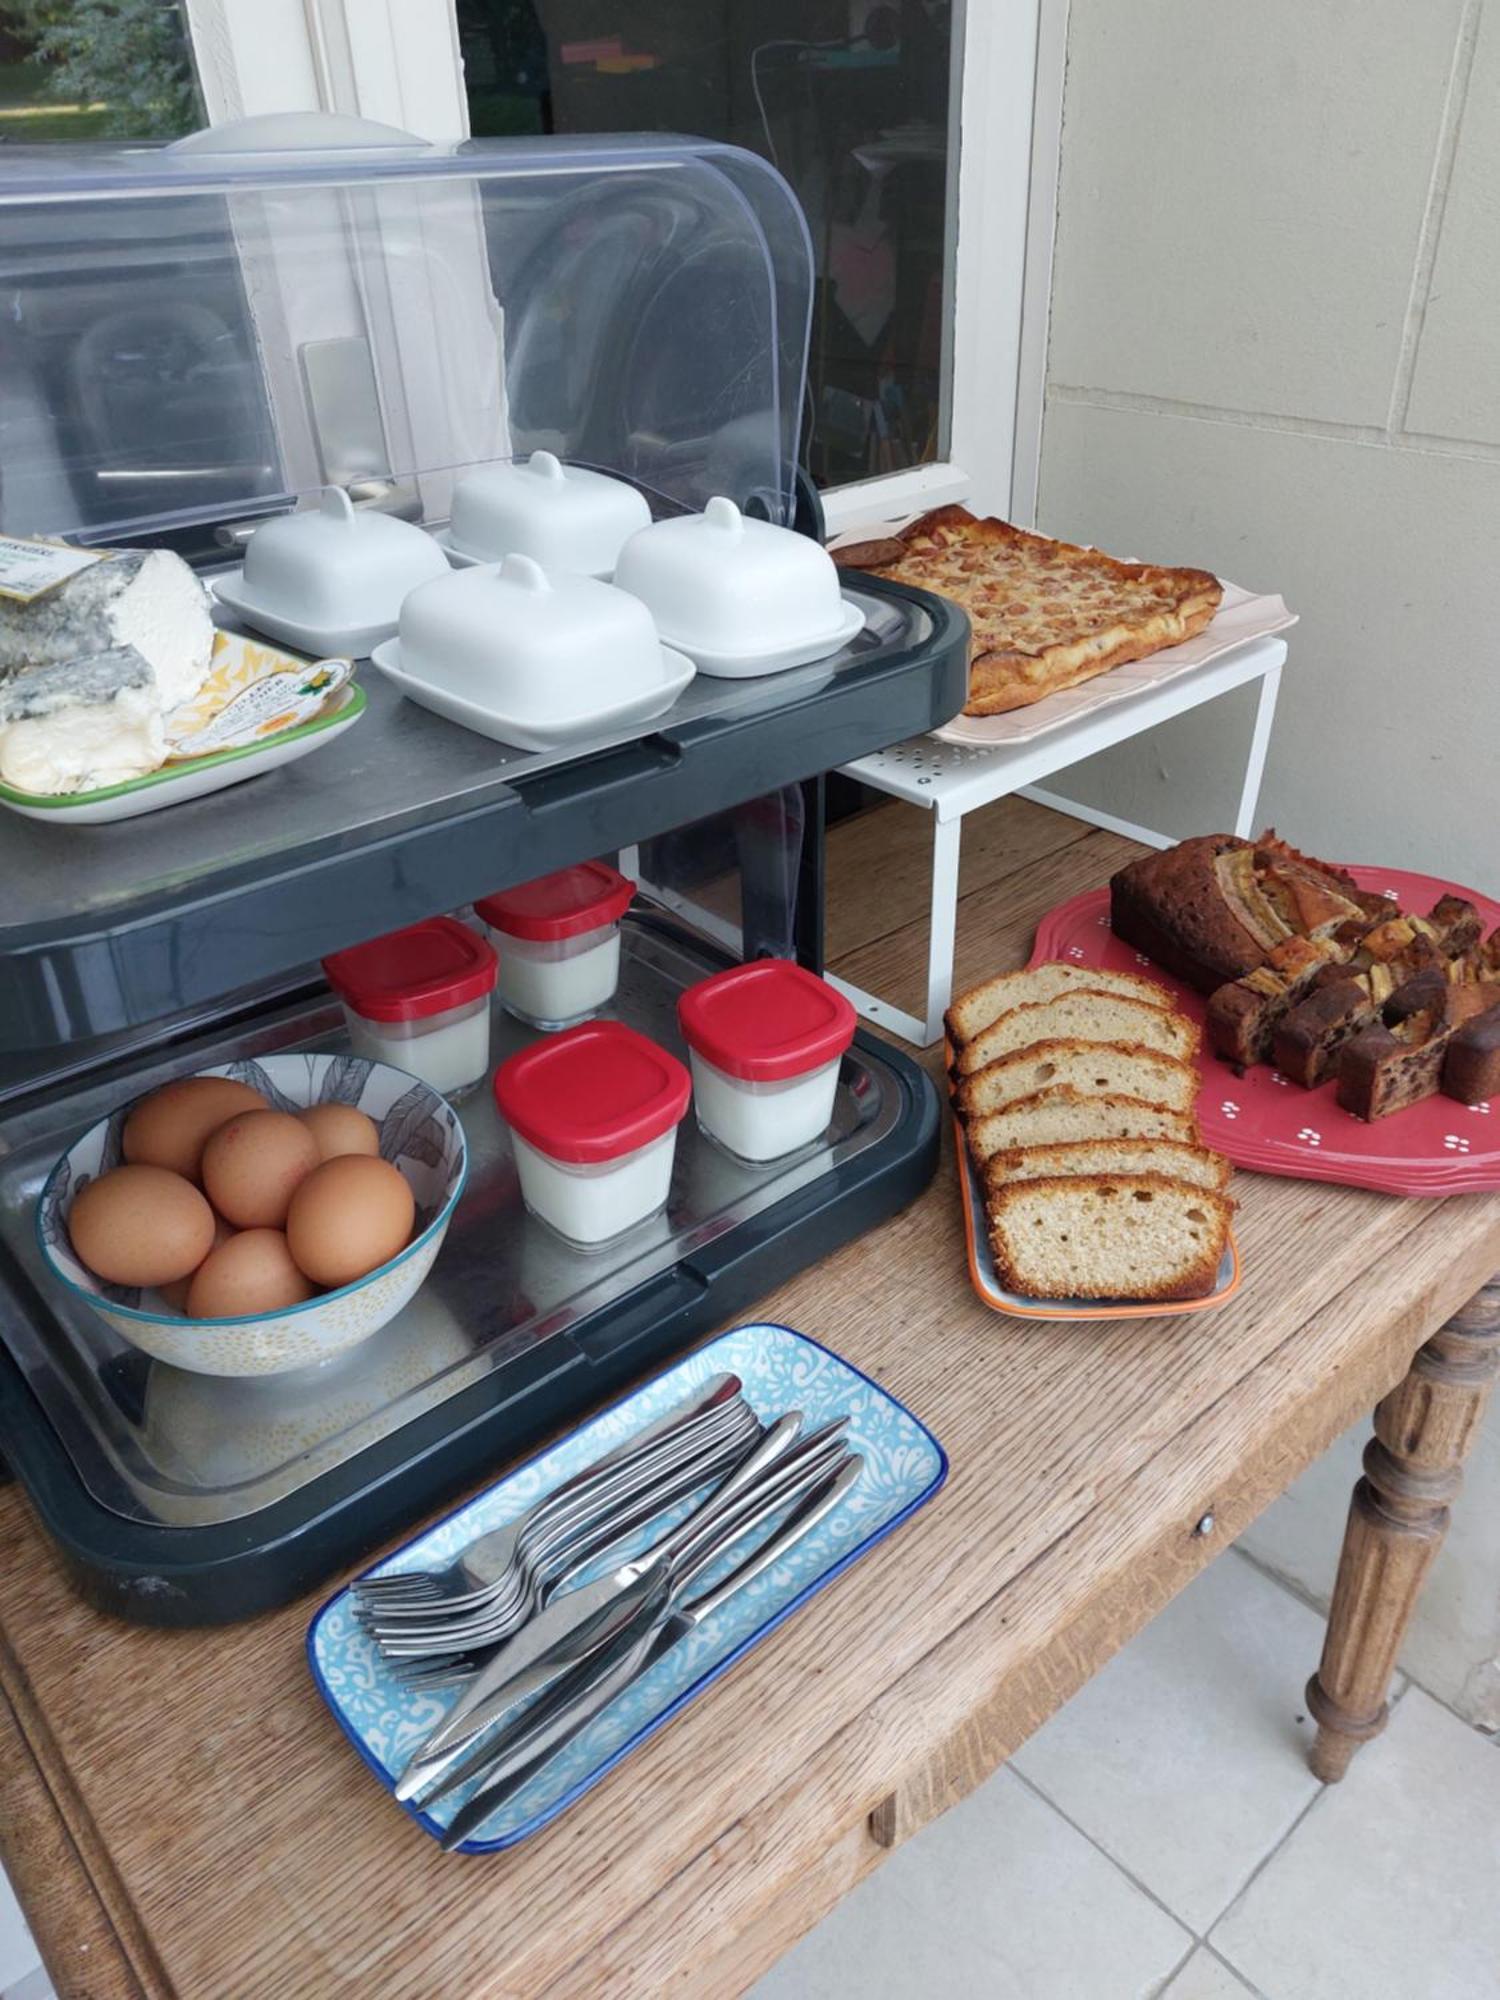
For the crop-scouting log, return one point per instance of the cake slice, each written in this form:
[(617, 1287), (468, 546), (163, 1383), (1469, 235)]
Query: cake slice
[(1116, 1069), (1244, 1015), (1170, 1157), (1471, 1064), (1308, 1041), (1108, 1236), (1403, 1059), (1063, 1116), (973, 1011), (1085, 1016)]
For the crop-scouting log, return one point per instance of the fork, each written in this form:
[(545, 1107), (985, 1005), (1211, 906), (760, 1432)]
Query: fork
[(485, 1566), (430, 1655), (570, 1538)]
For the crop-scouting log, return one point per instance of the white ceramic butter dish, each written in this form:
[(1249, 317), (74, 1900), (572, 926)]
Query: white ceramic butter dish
[(738, 596), (531, 659), (330, 579), (564, 517)]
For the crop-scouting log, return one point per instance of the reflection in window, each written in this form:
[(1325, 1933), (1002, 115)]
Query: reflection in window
[(96, 69), (849, 98)]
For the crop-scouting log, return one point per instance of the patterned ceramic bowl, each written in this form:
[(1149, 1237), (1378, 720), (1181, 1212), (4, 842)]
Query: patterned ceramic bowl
[(419, 1133)]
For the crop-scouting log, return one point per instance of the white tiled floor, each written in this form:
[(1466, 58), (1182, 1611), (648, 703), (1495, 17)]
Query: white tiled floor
[(1162, 1835)]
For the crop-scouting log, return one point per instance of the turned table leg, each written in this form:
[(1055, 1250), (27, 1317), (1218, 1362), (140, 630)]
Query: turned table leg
[(1397, 1519)]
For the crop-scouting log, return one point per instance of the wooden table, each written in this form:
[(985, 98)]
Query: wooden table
[(182, 1817)]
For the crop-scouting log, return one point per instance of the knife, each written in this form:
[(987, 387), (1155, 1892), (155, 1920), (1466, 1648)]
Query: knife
[(575, 1623), (567, 1710), (803, 1469)]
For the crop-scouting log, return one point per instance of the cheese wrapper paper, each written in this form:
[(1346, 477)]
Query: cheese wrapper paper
[(253, 693)]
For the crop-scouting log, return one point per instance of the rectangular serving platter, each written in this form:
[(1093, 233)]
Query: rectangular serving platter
[(904, 1466)]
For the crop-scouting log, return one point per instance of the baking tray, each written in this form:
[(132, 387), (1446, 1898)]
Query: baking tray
[(185, 1498)]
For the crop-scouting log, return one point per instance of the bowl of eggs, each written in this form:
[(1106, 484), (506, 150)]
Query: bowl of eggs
[(260, 1216)]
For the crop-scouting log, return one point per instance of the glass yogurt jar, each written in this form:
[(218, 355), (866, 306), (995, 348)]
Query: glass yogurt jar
[(765, 1041), (558, 939), (593, 1116), (419, 999)]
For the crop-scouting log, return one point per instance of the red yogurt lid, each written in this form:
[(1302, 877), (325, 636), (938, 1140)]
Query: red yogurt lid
[(407, 975), (592, 1093), (766, 1021), (561, 905)]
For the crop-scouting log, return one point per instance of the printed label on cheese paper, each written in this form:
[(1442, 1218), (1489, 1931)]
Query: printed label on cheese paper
[(29, 568), (252, 693)]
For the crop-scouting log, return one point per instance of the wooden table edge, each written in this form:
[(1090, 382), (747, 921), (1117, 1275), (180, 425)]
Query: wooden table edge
[(78, 1912)]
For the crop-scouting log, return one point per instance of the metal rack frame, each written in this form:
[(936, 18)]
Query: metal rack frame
[(952, 780)]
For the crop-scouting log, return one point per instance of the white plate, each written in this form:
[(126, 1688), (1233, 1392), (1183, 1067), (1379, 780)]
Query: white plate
[(677, 670), (168, 787), (461, 559), (744, 666), (322, 641)]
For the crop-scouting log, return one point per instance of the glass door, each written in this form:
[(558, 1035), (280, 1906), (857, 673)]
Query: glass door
[(907, 128)]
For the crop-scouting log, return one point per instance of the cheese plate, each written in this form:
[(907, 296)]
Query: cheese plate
[(258, 710)]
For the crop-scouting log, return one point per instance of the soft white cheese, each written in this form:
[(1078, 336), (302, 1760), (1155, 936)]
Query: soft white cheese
[(82, 724), (146, 598)]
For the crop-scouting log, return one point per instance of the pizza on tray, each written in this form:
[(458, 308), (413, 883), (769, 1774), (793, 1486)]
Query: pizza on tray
[(1045, 615)]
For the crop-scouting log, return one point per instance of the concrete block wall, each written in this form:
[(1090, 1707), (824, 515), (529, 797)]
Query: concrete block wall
[(1275, 352)]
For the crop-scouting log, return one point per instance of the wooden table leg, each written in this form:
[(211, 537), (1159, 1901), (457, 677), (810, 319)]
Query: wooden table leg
[(1397, 1519)]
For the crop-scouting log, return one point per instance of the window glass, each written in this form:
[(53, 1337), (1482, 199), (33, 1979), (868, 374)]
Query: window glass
[(96, 69), (849, 98)]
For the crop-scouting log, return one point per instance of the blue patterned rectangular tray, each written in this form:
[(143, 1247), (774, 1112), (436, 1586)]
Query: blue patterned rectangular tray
[(781, 1370)]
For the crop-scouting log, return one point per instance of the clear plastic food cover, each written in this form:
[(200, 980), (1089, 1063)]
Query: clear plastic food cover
[(201, 333)]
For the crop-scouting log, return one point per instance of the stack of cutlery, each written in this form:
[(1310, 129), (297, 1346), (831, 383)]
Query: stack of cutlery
[(536, 1660)]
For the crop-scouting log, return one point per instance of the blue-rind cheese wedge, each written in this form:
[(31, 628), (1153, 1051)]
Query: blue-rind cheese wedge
[(147, 599), (79, 724)]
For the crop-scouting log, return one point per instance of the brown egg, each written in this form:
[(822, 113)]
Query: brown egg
[(339, 1129), (349, 1215), (140, 1226), (252, 1165), (174, 1296), (171, 1126), (252, 1273)]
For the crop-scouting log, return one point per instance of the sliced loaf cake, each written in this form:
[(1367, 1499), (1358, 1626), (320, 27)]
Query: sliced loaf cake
[(1109, 1156), (1116, 1069), (1063, 1116), (1082, 1015), (1108, 1236), (973, 1011)]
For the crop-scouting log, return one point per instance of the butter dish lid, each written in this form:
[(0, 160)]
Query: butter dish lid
[(562, 516), (592, 1093), (709, 578), (766, 1021), (410, 974), (338, 563), (561, 905), (530, 643)]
